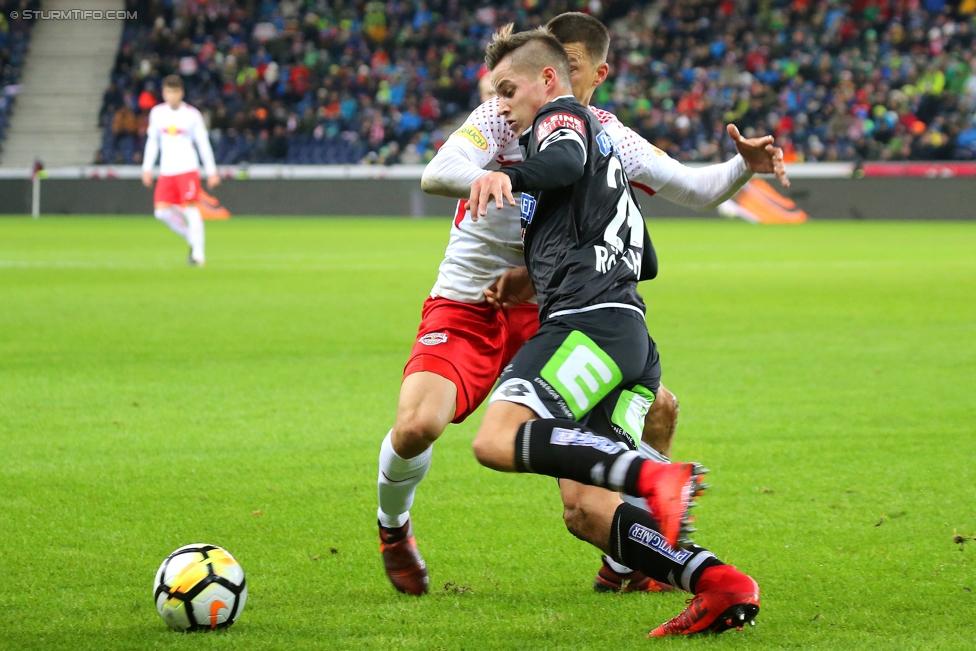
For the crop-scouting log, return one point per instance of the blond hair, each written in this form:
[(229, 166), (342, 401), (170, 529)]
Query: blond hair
[(531, 50)]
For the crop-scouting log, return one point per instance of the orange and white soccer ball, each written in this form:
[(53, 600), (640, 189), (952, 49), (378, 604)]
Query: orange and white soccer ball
[(200, 587)]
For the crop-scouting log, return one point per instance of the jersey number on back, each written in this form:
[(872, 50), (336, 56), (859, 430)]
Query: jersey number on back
[(627, 211)]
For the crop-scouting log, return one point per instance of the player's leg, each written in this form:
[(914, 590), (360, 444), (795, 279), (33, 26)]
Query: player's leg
[(574, 373), (655, 444), (196, 237), (724, 597), (453, 365), (170, 215), (625, 414), (425, 408), (183, 189)]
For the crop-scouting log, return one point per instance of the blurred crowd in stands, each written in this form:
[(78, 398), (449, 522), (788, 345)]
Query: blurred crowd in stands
[(14, 37), (385, 81)]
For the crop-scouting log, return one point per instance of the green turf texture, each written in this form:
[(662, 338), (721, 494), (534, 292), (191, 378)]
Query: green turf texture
[(826, 374)]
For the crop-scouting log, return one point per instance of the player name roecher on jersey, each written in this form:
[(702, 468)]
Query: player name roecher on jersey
[(584, 240)]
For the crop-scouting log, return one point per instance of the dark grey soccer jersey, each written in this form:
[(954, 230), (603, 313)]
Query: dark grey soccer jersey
[(583, 230)]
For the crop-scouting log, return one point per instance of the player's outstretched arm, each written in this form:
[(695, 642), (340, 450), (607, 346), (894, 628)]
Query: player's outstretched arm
[(698, 188), (704, 188)]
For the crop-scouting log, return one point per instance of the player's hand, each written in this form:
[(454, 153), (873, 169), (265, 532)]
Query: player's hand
[(495, 185), (147, 179), (512, 288), (213, 181), (760, 155)]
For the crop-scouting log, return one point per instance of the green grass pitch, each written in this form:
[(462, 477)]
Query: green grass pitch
[(826, 373)]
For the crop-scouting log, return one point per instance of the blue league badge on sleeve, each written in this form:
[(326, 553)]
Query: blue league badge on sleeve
[(527, 209), (605, 142)]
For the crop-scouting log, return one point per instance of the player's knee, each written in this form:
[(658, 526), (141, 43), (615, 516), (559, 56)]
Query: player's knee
[(668, 405), (662, 418), (483, 448), (490, 453), (416, 428)]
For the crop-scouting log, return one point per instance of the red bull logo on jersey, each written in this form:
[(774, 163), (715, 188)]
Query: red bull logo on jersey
[(434, 338), (173, 130)]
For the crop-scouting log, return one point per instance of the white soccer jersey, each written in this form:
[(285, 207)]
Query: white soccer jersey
[(480, 251), (174, 133)]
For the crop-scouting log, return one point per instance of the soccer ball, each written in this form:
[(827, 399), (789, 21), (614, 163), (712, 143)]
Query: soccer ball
[(200, 587)]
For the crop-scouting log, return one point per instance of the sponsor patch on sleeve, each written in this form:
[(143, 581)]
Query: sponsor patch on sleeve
[(527, 207), (605, 142), (559, 121), (471, 133)]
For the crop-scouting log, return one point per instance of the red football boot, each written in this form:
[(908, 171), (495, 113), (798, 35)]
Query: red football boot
[(609, 580), (670, 489), (725, 598), (404, 566)]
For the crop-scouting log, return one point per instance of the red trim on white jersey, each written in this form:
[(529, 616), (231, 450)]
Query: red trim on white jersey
[(462, 208), (641, 186)]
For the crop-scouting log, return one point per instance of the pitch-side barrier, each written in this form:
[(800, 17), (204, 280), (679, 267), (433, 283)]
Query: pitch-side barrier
[(916, 190)]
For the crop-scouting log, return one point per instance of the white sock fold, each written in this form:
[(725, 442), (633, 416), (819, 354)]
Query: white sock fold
[(397, 482), (196, 235), (650, 453), (173, 218), (615, 566)]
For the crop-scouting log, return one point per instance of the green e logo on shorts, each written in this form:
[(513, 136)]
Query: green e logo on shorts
[(581, 372)]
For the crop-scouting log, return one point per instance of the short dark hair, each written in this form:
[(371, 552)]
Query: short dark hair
[(541, 49), (575, 27), (173, 81)]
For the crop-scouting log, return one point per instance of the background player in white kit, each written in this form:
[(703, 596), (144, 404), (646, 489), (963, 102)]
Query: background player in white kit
[(174, 128), (463, 344)]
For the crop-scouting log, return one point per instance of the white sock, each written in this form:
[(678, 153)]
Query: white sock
[(615, 566), (174, 219), (397, 482), (647, 452), (195, 227), (650, 453)]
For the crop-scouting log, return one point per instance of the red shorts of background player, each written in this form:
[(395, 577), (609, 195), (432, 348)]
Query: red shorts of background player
[(470, 345), (178, 189)]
